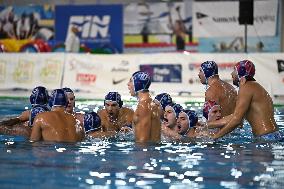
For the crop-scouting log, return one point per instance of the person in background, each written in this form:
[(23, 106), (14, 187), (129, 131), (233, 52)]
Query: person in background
[(179, 30), (217, 90), (253, 103), (56, 125), (146, 119), (72, 42)]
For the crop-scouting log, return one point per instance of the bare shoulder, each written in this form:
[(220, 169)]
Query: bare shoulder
[(249, 88), (212, 93), (127, 110), (44, 114), (25, 115), (101, 112), (41, 117)]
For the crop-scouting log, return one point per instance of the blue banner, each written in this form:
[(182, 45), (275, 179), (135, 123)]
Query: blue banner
[(165, 73), (100, 26)]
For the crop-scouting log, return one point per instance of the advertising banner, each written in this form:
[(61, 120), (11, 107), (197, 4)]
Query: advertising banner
[(99, 26), (98, 74), (30, 70), (93, 76), (165, 73), (209, 22)]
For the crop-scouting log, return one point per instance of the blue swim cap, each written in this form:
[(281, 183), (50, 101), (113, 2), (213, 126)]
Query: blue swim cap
[(58, 98), (67, 90), (192, 117), (36, 110), (177, 108), (114, 97), (164, 99), (141, 81), (92, 122), (39, 96), (209, 69)]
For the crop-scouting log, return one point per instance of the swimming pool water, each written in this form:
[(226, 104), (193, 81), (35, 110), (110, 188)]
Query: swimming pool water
[(233, 162)]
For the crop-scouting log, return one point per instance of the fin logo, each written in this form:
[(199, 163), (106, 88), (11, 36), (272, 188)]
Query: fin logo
[(91, 26)]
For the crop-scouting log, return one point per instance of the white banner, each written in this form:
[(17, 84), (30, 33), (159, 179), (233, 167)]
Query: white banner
[(96, 75), (25, 71), (220, 19), (93, 76)]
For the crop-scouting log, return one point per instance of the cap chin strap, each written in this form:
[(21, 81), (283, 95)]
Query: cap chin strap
[(186, 131)]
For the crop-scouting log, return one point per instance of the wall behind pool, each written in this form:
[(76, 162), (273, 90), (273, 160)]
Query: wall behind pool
[(93, 76)]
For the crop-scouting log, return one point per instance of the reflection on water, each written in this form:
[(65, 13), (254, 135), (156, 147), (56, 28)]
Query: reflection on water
[(114, 164), (233, 162)]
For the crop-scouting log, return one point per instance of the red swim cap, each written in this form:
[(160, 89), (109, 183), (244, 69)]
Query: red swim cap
[(245, 68), (208, 105)]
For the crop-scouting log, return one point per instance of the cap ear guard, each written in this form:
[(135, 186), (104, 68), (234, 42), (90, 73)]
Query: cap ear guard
[(242, 71), (92, 122), (193, 118)]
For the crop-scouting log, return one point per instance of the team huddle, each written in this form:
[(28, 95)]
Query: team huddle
[(53, 118)]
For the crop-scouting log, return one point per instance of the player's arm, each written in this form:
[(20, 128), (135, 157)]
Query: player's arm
[(219, 123), (36, 134), (242, 105), (15, 120)]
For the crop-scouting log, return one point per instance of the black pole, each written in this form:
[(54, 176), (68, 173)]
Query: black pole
[(246, 33)]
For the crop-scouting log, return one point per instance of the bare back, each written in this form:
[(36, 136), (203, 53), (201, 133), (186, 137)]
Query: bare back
[(260, 113), (224, 94), (56, 126), (146, 121)]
